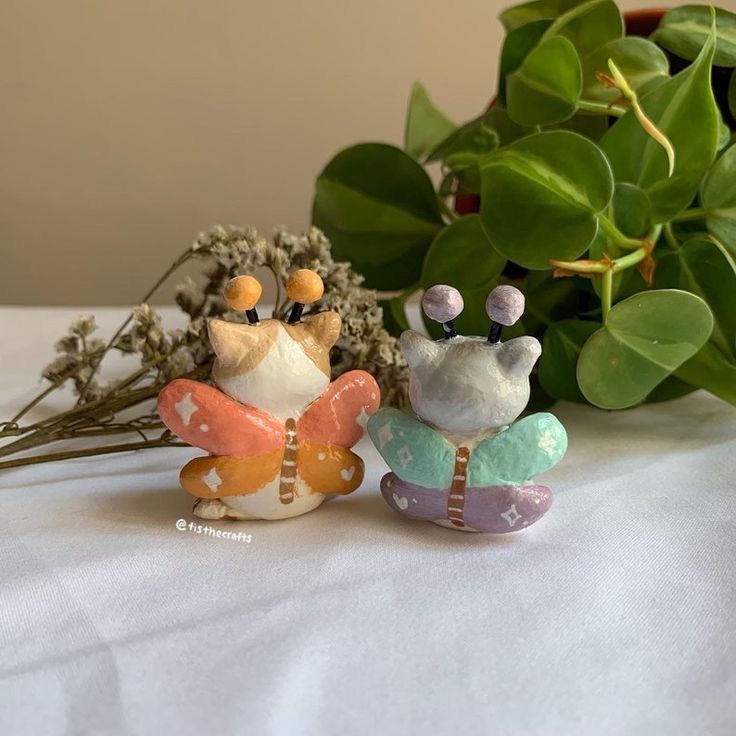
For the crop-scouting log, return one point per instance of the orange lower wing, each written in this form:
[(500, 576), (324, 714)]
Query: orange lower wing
[(329, 468), (213, 477)]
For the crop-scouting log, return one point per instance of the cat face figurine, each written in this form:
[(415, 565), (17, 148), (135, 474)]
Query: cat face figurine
[(465, 386), (277, 431), (459, 463)]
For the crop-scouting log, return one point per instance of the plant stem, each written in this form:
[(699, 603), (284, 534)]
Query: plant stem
[(106, 449), (37, 400), (630, 259), (669, 236), (697, 213), (180, 261), (446, 211), (601, 108), (606, 292), (617, 236)]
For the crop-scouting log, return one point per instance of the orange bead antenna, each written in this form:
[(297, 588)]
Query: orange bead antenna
[(242, 294), (303, 287)]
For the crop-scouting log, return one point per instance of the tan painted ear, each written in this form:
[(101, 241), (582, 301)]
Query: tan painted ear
[(230, 341), (518, 356), (324, 327), (417, 348)]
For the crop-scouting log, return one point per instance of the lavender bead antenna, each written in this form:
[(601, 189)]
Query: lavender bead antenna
[(505, 304), (443, 304)]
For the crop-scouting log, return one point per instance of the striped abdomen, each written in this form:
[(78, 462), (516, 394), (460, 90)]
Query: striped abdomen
[(288, 464), (456, 502)]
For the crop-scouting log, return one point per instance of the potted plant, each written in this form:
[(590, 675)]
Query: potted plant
[(601, 181)]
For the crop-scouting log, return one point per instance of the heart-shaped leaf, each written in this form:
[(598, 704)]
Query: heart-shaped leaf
[(520, 15), (516, 47), (702, 268), (645, 338), (685, 30), (462, 255), (589, 26), (718, 198), (685, 110), (639, 60), (379, 209), (541, 197), (561, 347), (426, 126), (545, 89)]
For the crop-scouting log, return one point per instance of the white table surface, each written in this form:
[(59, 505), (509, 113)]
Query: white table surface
[(615, 614)]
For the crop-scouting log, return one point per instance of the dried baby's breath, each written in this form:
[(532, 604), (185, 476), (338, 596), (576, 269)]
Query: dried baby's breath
[(105, 407)]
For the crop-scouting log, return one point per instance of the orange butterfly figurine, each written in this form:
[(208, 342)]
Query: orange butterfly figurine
[(278, 433)]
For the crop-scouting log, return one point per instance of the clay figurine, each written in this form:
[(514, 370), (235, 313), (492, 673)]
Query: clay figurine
[(463, 463), (278, 433)]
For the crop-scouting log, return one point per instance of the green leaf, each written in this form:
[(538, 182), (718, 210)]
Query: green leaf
[(702, 268), (589, 26), (541, 197), (426, 126), (549, 299), (639, 60), (379, 209), (394, 315), (516, 47), (646, 337), (671, 388), (732, 95), (685, 30), (520, 15), (545, 89), (560, 350), (477, 136), (718, 198), (711, 370), (462, 255), (593, 127), (631, 210), (684, 109)]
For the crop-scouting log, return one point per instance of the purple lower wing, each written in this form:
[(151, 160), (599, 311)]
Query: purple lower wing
[(493, 509)]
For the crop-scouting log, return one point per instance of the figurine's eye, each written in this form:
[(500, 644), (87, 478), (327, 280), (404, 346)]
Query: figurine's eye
[(242, 294), (504, 305), (443, 304)]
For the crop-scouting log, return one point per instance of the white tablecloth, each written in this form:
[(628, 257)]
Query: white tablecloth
[(615, 614)]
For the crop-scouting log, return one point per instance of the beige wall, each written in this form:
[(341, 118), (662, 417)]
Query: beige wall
[(126, 126)]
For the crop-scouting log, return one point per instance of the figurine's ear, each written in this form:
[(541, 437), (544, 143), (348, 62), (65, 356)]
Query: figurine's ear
[(324, 327), (417, 348), (518, 356), (230, 340)]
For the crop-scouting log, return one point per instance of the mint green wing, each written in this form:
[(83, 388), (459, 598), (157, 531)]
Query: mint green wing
[(414, 451), (526, 449)]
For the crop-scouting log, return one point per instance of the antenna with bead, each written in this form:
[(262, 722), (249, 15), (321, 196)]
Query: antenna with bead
[(443, 304), (303, 287), (242, 294), (504, 305)]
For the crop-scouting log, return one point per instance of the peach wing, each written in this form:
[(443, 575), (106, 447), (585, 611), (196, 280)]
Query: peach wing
[(340, 415), (206, 418)]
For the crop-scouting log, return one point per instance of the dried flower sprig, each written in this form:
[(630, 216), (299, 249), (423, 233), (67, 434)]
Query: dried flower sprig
[(106, 408)]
